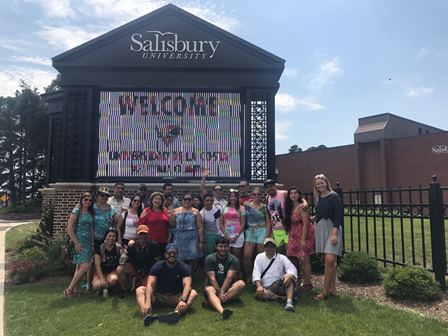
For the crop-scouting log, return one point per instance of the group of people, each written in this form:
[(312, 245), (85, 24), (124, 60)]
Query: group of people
[(154, 244)]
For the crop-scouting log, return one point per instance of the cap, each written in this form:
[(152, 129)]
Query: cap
[(170, 246), (267, 182), (142, 229), (103, 190), (269, 240)]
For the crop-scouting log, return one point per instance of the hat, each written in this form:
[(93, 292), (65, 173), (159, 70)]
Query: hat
[(268, 181), (171, 246), (142, 229), (104, 190), (269, 240)]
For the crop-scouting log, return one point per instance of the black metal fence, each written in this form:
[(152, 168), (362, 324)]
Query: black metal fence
[(400, 226)]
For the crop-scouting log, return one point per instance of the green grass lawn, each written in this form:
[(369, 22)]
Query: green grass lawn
[(40, 309), (19, 233), (401, 236)]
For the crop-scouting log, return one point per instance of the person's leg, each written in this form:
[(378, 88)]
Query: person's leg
[(306, 268), (96, 283), (123, 273), (248, 252), (237, 252), (213, 299), (112, 279), (81, 269), (235, 290), (330, 273)]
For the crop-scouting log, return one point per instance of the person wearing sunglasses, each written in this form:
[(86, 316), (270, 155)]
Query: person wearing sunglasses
[(80, 230), (219, 201), (243, 189), (105, 217), (130, 219), (233, 221), (168, 285), (189, 237)]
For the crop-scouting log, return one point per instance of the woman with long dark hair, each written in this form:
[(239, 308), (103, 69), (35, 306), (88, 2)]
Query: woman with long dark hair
[(233, 221), (80, 230), (329, 216), (300, 235), (131, 217)]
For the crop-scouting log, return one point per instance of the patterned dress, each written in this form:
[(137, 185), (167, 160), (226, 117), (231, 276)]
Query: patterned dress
[(295, 236), (187, 236), (83, 233), (256, 224)]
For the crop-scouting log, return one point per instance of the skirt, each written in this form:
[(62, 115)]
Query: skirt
[(323, 238)]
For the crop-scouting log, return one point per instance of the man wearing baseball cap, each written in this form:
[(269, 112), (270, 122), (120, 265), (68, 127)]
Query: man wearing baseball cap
[(168, 285), (274, 276)]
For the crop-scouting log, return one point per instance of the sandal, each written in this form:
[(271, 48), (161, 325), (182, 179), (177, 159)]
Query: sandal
[(322, 296), (69, 294)]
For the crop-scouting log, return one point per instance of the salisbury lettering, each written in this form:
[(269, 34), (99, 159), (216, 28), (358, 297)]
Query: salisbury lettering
[(158, 45)]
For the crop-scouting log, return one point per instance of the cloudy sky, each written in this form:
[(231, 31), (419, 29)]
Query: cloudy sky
[(344, 59)]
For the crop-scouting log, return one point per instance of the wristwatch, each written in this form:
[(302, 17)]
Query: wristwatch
[(183, 299)]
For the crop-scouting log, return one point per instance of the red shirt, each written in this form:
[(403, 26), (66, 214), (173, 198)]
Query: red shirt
[(158, 225)]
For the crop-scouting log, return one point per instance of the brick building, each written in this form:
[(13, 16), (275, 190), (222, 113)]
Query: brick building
[(389, 151)]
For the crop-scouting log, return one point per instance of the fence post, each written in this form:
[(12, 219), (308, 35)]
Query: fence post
[(437, 226), (338, 190)]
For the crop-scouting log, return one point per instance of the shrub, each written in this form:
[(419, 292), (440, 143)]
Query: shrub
[(317, 263), (57, 259), (414, 283), (359, 267), (28, 265)]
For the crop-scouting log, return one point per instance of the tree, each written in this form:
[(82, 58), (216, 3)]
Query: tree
[(295, 149), (55, 85)]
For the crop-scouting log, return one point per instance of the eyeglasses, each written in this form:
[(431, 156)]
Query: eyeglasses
[(188, 199), (171, 254), (87, 199), (136, 200)]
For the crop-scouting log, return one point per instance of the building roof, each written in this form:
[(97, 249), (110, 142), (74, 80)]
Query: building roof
[(373, 126)]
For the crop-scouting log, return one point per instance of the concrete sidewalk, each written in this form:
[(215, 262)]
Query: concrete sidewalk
[(5, 225)]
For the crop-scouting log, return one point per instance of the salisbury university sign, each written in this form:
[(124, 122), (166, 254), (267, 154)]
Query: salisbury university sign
[(153, 44)]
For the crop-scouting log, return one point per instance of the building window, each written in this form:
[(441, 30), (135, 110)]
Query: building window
[(420, 131)]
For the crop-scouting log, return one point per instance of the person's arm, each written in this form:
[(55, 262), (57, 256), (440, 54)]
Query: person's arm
[(228, 281), (182, 305), (200, 225), (336, 204), (118, 222), (150, 285), (256, 276), (71, 232), (306, 225), (172, 217), (242, 221), (204, 176), (99, 271), (288, 266), (223, 225), (212, 279), (268, 223)]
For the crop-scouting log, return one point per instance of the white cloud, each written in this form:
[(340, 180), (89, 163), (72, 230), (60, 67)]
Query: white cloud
[(282, 129), (34, 60), (325, 74), (284, 102), (290, 72), (65, 37), (55, 8), (10, 79), (419, 91), (423, 52)]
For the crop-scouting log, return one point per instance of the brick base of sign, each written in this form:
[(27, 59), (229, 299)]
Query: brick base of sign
[(62, 197)]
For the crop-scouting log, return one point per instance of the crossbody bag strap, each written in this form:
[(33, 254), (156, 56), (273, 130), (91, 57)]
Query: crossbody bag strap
[(269, 266)]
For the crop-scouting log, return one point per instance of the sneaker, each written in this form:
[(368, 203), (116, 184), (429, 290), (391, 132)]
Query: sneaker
[(289, 307), (226, 314), (150, 319), (171, 318), (205, 304)]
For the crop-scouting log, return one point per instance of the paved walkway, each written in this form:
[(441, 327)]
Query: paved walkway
[(5, 225)]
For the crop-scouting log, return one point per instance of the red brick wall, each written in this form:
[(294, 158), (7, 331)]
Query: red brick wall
[(337, 163)]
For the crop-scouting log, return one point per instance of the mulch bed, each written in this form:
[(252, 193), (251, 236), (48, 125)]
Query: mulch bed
[(437, 309)]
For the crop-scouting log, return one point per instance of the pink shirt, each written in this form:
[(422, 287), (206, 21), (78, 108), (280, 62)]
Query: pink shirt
[(276, 208)]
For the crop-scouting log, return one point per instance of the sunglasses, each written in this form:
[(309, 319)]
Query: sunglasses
[(171, 254), (103, 195), (136, 200), (269, 245), (87, 199)]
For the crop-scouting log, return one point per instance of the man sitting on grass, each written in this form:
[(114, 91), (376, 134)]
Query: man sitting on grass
[(274, 276), (169, 285), (222, 285)]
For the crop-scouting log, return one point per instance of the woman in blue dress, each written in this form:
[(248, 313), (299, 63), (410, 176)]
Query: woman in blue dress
[(189, 237), (80, 229)]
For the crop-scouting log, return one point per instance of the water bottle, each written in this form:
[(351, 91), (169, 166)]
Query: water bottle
[(123, 257), (105, 293)]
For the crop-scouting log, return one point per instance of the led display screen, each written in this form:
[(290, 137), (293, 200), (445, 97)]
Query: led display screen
[(169, 134)]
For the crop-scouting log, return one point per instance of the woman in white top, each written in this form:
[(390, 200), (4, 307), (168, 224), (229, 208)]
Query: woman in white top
[(130, 219)]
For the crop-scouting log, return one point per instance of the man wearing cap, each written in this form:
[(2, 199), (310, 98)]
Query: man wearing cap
[(168, 285), (276, 207), (143, 192), (222, 285), (274, 276), (118, 201), (219, 201), (142, 255)]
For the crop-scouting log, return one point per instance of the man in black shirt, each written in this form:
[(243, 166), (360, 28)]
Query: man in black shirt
[(142, 255), (169, 285), (222, 284)]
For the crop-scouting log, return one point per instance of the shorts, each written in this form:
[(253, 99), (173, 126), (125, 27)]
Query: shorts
[(255, 235), (277, 288), (239, 242), (210, 243), (280, 237), (166, 299)]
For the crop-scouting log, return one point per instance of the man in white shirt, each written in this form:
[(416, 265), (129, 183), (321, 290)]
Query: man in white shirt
[(274, 276), (118, 201)]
